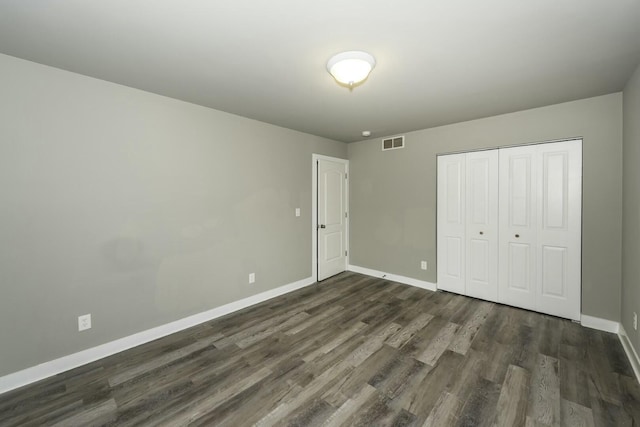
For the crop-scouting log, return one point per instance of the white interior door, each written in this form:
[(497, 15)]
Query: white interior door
[(540, 227), (509, 226), (518, 227), (331, 228), (559, 228), (451, 223), (482, 224)]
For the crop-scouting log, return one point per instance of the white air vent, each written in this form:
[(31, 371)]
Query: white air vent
[(393, 143)]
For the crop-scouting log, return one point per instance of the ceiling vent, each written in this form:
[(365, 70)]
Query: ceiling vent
[(393, 143)]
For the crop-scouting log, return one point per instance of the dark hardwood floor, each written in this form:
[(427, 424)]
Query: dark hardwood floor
[(354, 350)]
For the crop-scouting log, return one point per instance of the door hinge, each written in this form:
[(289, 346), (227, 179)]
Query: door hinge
[(346, 175), (346, 215), (345, 253)]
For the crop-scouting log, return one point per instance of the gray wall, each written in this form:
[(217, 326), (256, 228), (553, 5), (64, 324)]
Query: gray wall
[(136, 208), (631, 208), (393, 193)]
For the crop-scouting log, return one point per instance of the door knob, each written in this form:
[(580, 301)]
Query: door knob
[(517, 235), (481, 233), (323, 226)]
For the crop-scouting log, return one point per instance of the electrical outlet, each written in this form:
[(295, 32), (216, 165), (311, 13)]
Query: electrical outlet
[(423, 265), (297, 211), (252, 278), (84, 322), (635, 321)]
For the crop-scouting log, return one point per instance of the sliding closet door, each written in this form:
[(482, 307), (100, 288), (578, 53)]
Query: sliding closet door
[(451, 223), (559, 228), (482, 224), (518, 225)]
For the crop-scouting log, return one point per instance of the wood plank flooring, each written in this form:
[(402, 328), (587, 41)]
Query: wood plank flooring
[(356, 351)]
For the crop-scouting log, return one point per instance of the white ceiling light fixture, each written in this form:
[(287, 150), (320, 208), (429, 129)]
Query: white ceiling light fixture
[(351, 68)]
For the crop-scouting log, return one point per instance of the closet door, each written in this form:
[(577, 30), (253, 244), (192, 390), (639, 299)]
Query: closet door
[(540, 227), (559, 208), (481, 240), (518, 226), (451, 223)]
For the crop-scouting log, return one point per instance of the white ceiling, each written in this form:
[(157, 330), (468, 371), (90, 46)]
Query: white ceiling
[(438, 62)]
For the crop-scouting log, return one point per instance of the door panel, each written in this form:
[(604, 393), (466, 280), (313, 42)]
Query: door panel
[(478, 261), (482, 224), (333, 206), (519, 265), (454, 258), (554, 272), (331, 218), (559, 232), (451, 223), (555, 183), (517, 227), (520, 190), (453, 189), (333, 243)]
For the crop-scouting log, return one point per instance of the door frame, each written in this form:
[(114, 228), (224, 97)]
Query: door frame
[(314, 210)]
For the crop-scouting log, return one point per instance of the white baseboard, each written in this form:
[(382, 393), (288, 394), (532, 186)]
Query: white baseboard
[(599, 324), (54, 367), (393, 277), (632, 355)]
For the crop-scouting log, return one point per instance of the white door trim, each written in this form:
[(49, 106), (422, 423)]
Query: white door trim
[(314, 210)]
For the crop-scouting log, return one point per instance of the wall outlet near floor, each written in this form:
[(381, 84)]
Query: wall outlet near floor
[(635, 321), (297, 211), (423, 265), (84, 322), (252, 278)]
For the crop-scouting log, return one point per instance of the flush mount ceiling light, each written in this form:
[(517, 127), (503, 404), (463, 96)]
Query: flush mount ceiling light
[(351, 68)]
